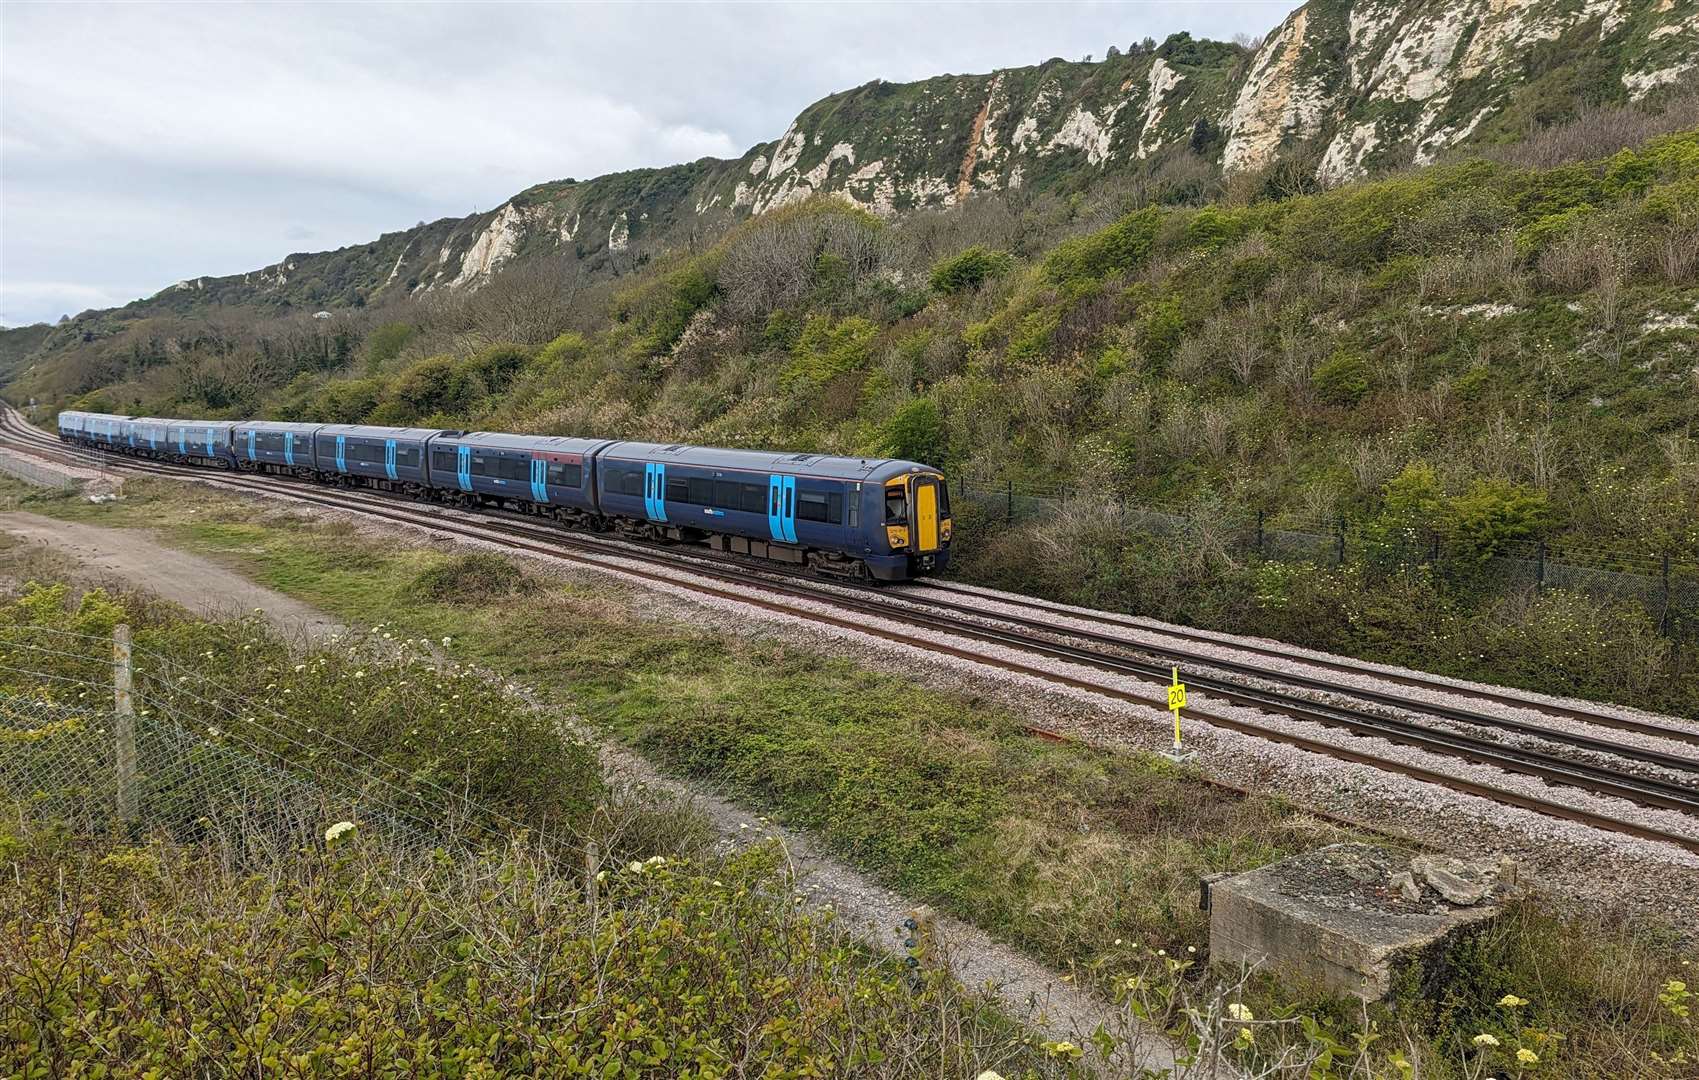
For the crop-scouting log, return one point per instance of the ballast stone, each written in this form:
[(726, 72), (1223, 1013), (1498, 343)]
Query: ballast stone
[(1347, 916)]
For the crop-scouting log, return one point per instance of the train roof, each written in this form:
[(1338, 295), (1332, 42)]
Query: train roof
[(824, 466), (375, 431), (203, 423), (497, 440), (276, 425)]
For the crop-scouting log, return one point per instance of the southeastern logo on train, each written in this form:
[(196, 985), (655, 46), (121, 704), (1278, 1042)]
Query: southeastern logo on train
[(917, 519)]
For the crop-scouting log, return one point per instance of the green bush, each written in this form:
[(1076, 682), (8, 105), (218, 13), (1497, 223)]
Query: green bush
[(474, 578), (1341, 379), (969, 270), (1493, 513), (827, 348), (386, 342), (1116, 250), (916, 432)]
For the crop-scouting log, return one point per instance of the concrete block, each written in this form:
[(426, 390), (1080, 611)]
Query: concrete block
[(1343, 916)]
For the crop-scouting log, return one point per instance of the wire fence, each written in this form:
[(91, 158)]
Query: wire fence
[(103, 738), (32, 473), (1668, 588)]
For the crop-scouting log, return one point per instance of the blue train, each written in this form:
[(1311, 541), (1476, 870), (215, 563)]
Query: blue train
[(852, 517)]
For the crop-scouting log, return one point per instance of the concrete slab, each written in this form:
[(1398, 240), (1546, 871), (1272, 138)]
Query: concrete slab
[(1344, 916)]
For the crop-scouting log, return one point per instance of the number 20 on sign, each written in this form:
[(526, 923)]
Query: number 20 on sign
[(1176, 702)]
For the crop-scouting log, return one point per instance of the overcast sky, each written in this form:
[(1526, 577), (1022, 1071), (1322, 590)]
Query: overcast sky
[(147, 144)]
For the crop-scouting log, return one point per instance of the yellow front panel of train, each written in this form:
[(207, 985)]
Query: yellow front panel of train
[(925, 515)]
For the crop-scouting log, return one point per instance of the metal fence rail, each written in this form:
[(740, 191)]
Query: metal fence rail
[(1667, 588)]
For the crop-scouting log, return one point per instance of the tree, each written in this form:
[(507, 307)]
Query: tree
[(969, 270)]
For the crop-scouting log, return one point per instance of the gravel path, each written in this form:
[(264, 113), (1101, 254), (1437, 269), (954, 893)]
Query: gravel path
[(190, 581)]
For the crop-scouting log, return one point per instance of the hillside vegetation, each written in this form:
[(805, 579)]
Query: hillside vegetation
[(1518, 343)]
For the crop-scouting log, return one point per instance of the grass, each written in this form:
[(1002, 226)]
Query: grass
[(1082, 858)]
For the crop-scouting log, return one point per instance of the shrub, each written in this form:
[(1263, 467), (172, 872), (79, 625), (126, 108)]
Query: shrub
[(1494, 513), (1121, 247), (826, 349), (916, 432), (386, 342), (475, 578), (1341, 379), (969, 270)]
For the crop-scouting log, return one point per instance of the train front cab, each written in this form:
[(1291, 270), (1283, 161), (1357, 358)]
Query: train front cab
[(915, 511)]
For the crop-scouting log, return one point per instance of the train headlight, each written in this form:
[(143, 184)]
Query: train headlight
[(944, 530), (897, 535)]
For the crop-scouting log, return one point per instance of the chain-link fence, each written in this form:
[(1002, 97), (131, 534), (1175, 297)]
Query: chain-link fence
[(101, 737), (1667, 588)]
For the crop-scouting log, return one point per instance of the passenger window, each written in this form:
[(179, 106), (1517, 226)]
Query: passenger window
[(753, 499), (678, 490), (632, 483), (700, 491), (855, 509), (811, 506), (835, 508), (408, 458), (727, 495), (568, 476), (896, 507)]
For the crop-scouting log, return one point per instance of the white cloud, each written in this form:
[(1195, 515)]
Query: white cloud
[(154, 143)]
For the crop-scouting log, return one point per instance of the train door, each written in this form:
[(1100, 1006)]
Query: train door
[(925, 513)]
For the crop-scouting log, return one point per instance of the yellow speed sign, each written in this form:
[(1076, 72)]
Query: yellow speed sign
[(1177, 696)]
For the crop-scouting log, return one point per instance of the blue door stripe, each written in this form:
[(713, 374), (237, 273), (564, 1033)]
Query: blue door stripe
[(539, 480), (775, 507), (342, 453), (250, 446), (211, 451), (389, 457), (465, 463), (289, 448), (789, 509)]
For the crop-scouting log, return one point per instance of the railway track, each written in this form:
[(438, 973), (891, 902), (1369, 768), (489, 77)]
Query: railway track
[(898, 614)]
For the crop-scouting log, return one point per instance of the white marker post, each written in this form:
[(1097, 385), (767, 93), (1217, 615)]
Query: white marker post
[(1176, 702)]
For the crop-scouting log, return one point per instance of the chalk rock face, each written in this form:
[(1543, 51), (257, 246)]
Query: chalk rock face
[(1344, 86)]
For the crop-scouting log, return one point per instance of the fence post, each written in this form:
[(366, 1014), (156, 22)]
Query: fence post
[(124, 725), (1664, 618), (1340, 560), (1540, 570), (1259, 530)]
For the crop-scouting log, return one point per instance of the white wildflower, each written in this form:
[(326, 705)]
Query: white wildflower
[(332, 834)]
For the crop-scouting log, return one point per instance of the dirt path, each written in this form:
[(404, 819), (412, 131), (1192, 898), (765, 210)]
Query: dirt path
[(200, 585)]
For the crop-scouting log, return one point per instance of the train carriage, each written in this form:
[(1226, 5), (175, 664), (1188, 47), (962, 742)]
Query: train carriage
[(387, 458), (145, 435), (851, 516), (551, 475), (71, 425), (103, 430), (200, 442), (271, 446)]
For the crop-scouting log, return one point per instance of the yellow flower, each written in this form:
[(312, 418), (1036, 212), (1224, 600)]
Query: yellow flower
[(989, 1075), (1239, 1012), (1483, 1039), (1511, 1001), (1527, 1056)]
